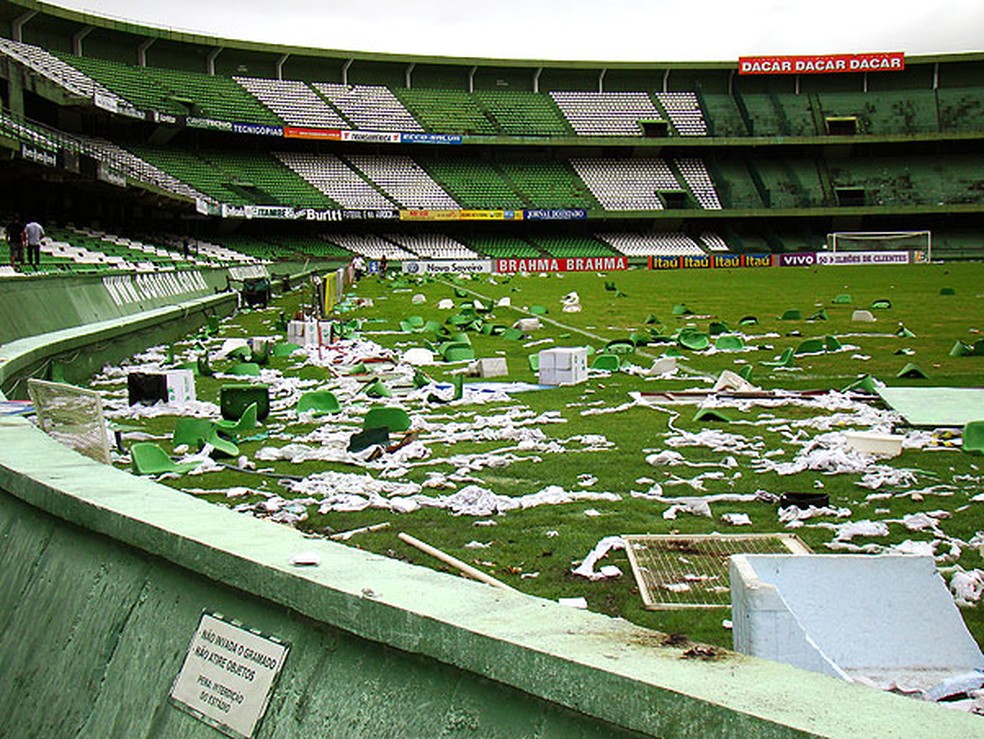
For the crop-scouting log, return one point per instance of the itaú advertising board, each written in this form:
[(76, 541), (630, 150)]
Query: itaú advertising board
[(888, 61), (564, 264)]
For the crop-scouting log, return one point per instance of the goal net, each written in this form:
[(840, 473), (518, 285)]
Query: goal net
[(920, 242), (72, 416)]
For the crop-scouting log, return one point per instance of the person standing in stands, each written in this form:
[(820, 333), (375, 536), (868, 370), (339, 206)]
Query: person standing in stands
[(33, 233), (15, 237)]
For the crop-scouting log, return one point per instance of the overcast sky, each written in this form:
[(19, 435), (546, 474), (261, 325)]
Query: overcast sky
[(610, 30)]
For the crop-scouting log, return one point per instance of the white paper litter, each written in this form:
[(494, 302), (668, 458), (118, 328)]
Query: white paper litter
[(587, 567)]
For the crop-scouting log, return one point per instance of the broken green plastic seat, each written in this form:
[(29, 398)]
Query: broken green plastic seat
[(947, 291), (284, 349), (261, 353), (212, 324), (377, 389), (147, 458), (406, 327), (420, 379), (246, 422), (716, 328), (729, 343), (672, 352), (358, 369), (458, 381), (865, 382), (459, 293), (245, 369), (319, 402), (460, 319), (242, 353), (711, 414), (620, 346), (512, 334), (610, 287), (881, 304), (607, 362), (748, 321), (745, 372), (973, 437), (694, 340), (785, 359), (392, 419), (961, 349), (653, 319), (191, 432), (415, 321), (221, 445), (810, 346), (791, 315), (820, 315), (912, 371), (235, 399), (832, 343), (534, 362), (903, 332), (459, 353), (538, 310), (680, 309), (367, 438), (842, 299), (639, 339)]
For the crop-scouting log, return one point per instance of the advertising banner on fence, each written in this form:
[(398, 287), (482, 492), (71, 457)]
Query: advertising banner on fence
[(797, 259), (892, 61), (461, 215), (430, 138), (555, 214), (257, 129), (288, 213), (718, 261), (305, 132), (208, 123), (566, 264), (447, 266), (839, 258), (375, 137), (168, 118)]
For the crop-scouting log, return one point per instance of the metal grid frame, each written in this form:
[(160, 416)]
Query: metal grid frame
[(676, 571), (72, 416)]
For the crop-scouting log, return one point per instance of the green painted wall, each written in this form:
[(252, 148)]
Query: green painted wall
[(105, 575)]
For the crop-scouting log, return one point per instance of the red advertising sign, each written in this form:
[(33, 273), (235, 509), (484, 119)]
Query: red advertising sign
[(890, 61), (301, 132), (567, 264)]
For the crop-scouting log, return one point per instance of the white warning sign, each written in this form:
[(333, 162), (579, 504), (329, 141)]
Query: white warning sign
[(228, 674)]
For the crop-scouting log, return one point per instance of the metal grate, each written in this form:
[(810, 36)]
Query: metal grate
[(692, 571), (72, 416)]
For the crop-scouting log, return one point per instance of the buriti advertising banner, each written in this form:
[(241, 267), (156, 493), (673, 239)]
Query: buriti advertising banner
[(568, 264), (891, 61), (461, 215)]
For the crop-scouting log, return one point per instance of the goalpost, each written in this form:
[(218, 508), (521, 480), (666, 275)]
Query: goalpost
[(913, 241)]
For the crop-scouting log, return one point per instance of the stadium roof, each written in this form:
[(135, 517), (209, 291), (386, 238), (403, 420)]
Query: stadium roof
[(618, 30)]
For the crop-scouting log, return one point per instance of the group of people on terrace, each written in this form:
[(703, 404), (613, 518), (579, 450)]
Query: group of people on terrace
[(25, 241)]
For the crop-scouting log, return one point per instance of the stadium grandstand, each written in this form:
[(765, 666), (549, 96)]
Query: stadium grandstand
[(166, 166)]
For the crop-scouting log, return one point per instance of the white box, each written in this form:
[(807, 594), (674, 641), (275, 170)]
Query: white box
[(490, 367), (882, 445), (180, 385), (309, 333), (563, 366)]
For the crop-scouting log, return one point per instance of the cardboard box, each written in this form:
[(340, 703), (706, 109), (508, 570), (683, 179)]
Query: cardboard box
[(563, 366)]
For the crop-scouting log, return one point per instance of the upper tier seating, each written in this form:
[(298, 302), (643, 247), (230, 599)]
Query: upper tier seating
[(213, 96), (403, 180), (294, 102), (370, 107), (684, 112), (627, 184), (546, 183), (606, 113), (48, 65), (447, 111), (142, 90), (713, 242), (670, 243), (525, 113), (572, 246), (504, 247), (336, 179)]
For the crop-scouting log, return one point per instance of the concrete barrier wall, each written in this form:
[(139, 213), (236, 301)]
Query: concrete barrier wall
[(105, 576)]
